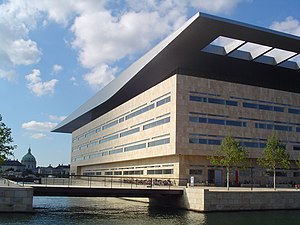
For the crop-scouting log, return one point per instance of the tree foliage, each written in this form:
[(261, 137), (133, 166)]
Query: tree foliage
[(274, 156), (6, 139), (229, 154)]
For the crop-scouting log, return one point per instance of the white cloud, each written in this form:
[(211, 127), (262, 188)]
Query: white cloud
[(216, 6), (23, 52), (39, 126), (9, 75), (104, 31), (289, 25), (37, 86), (38, 135), (100, 76), (56, 118), (57, 68), (16, 20)]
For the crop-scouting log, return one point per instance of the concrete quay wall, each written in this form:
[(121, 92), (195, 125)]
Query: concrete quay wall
[(205, 200), (16, 199)]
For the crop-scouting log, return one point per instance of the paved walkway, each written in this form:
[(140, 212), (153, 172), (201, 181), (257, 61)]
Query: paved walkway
[(246, 189)]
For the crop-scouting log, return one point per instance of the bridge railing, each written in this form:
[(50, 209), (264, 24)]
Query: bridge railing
[(114, 181)]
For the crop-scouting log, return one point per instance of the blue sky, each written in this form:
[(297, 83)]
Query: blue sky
[(55, 55)]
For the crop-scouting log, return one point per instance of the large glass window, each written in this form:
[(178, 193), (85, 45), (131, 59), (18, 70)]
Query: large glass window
[(294, 111), (156, 123), (140, 111), (110, 138), (134, 147), (249, 105), (163, 101), (129, 132), (159, 142)]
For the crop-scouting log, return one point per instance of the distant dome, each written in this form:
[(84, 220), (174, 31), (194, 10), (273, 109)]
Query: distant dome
[(28, 157)]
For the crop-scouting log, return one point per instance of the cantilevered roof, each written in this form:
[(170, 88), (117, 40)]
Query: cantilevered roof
[(205, 46)]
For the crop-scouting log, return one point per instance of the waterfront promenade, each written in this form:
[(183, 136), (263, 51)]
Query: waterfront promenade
[(198, 198)]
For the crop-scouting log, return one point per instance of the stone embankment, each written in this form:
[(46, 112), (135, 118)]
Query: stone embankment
[(240, 199), (14, 198)]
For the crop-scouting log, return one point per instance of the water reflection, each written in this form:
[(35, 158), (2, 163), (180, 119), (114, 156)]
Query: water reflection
[(107, 211)]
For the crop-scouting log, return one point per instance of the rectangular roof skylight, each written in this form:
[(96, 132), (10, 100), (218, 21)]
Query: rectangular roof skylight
[(255, 50), (229, 44), (280, 55)]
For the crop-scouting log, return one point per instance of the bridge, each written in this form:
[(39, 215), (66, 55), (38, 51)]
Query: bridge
[(105, 186), (41, 190)]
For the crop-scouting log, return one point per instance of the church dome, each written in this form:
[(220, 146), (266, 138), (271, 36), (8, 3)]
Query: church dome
[(28, 157)]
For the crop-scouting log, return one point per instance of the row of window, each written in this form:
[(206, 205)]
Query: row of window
[(122, 134), (227, 122), (117, 121), (217, 121), (244, 104), (263, 107), (245, 142), (213, 100), (156, 123), (125, 149), (273, 127), (130, 172)]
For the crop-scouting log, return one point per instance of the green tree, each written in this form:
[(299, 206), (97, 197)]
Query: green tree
[(6, 139), (274, 156), (229, 154)]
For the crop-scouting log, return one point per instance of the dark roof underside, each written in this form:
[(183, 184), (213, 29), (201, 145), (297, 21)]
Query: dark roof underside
[(183, 55)]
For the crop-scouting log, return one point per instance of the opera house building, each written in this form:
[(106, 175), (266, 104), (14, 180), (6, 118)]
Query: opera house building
[(171, 108)]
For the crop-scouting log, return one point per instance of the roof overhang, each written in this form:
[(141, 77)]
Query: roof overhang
[(185, 52)]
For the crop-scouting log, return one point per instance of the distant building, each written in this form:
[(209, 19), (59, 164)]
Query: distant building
[(13, 165), (29, 161), (50, 170)]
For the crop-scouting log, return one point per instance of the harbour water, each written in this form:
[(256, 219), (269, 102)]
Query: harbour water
[(114, 211)]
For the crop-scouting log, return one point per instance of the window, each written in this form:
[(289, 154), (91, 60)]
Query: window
[(133, 172), (129, 132), (294, 111), (216, 121), (198, 99), (278, 109), (232, 103), (265, 107), (109, 173), (273, 127), (134, 147), (163, 101), (250, 144), (297, 129), (117, 172), (166, 171), (234, 123), (296, 148), (213, 142), (140, 111), (216, 101), (193, 119), (109, 125), (116, 151), (249, 105), (156, 123), (110, 138), (159, 142)]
